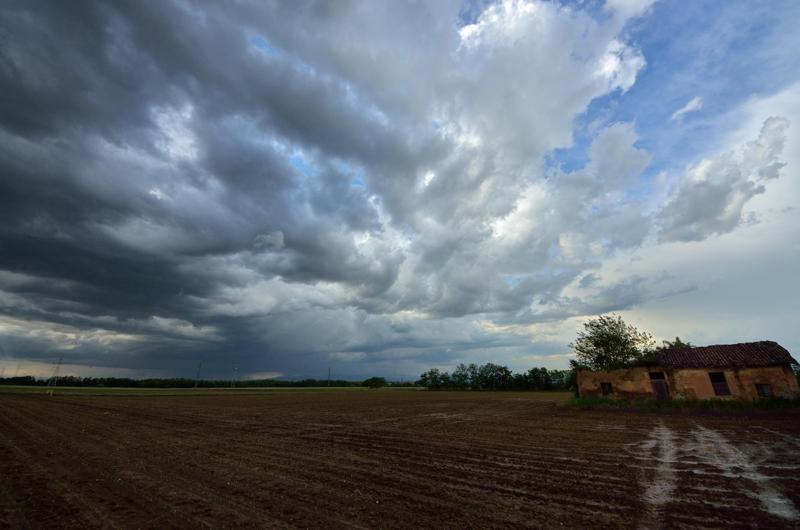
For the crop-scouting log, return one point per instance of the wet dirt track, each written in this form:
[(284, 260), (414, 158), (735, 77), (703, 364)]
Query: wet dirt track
[(388, 459)]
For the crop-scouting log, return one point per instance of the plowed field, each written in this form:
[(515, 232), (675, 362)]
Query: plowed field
[(388, 459)]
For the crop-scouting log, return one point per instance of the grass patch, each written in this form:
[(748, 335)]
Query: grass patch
[(683, 404)]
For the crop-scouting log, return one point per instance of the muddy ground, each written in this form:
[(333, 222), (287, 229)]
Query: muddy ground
[(388, 459)]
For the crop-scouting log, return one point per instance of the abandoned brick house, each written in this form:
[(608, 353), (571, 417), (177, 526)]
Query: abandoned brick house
[(729, 371)]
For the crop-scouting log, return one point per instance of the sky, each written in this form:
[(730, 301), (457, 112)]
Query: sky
[(276, 189)]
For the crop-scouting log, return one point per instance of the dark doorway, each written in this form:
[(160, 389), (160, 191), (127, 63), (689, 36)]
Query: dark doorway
[(605, 389), (659, 385)]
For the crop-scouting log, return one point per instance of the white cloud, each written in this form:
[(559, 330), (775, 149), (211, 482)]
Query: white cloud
[(693, 105), (616, 163), (178, 140), (427, 178), (522, 220), (527, 69), (626, 9), (710, 199), (158, 194), (263, 297), (180, 328), (737, 285), (64, 337), (619, 65)]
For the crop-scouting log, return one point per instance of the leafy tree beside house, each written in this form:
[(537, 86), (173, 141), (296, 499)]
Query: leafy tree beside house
[(670, 344), (608, 342)]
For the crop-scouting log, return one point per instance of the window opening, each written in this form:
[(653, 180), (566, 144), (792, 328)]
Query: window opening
[(719, 383), (764, 390)]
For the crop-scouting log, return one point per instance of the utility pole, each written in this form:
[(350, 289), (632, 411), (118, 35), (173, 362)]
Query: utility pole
[(329, 376), (197, 377), (54, 380), (235, 373)]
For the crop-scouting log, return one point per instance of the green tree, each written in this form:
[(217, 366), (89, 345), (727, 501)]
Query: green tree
[(495, 377), (520, 382), (677, 343), (433, 379), (560, 379), (539, 379), (375, 382), (474, 378), (607, 342), (460, 377)]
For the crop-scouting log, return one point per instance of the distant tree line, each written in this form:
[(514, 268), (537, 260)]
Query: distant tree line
[(118, 382), (492, 376)]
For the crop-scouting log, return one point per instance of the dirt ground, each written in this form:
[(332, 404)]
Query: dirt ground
[(388, 459)]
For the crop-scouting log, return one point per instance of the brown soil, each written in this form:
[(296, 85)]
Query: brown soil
[(385, 460)]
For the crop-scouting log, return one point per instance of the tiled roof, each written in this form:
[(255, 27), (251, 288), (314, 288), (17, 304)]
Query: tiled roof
[(764, 353)]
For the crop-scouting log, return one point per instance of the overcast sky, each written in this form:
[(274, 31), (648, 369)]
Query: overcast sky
[(380, 187)]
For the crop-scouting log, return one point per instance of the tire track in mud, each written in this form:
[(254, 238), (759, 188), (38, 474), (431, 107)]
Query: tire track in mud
[(736, 464), (697, 474), (659, 491)]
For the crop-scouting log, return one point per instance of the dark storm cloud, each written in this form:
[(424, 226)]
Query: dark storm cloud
[(94, 71), (106, 218), (280, 185)]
